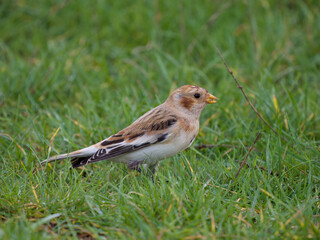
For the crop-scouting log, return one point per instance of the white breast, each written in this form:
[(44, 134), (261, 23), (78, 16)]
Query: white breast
[(159, 151)]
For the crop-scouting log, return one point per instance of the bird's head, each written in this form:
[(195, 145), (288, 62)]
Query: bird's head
[(191, 99)]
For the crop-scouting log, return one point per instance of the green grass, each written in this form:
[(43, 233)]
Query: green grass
[(74, 72)]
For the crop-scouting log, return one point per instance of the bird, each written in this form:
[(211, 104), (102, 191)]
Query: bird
[(160, 133)]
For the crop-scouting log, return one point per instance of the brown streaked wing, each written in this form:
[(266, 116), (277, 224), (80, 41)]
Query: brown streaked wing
[(155, 121)]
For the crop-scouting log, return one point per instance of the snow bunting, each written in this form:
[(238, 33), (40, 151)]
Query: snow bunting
[(160, 133)]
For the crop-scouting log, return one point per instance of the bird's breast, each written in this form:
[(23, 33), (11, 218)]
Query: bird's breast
[(153, 153)]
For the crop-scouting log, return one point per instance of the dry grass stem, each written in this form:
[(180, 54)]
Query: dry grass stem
[(250, 150), (244, 94)]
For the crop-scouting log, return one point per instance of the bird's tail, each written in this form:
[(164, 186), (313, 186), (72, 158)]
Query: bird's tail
[(78, 158)]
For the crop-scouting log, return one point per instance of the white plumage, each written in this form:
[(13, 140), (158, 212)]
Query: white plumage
[(160, 133)]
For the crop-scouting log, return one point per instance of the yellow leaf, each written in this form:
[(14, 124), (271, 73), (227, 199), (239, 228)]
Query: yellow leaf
[(275, 103), (310, 116), (265, 191), (35, 193), (286, 121), (52, 138)]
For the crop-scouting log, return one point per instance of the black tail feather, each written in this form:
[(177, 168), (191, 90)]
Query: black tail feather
[(79, 161)]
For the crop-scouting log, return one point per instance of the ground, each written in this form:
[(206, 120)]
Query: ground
[(74, 72)]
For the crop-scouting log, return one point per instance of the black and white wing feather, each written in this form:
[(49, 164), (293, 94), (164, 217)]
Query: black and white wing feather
[(116, 150)]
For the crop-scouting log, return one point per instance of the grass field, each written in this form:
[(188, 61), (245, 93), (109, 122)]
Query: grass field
[(74, 72)]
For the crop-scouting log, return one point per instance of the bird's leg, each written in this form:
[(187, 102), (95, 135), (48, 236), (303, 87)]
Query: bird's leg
[(137, 168), (146, 168), (149, 169), (152, 168), (134, 165)]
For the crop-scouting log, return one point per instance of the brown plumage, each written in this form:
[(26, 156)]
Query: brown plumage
[(162, 132)]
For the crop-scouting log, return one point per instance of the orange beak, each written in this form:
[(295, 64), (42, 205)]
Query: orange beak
[(211, 99)]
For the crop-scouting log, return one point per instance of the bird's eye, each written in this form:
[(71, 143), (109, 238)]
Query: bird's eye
[(197, 95)]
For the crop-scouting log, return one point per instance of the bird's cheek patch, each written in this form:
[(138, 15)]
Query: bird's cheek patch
[(186, 102)]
